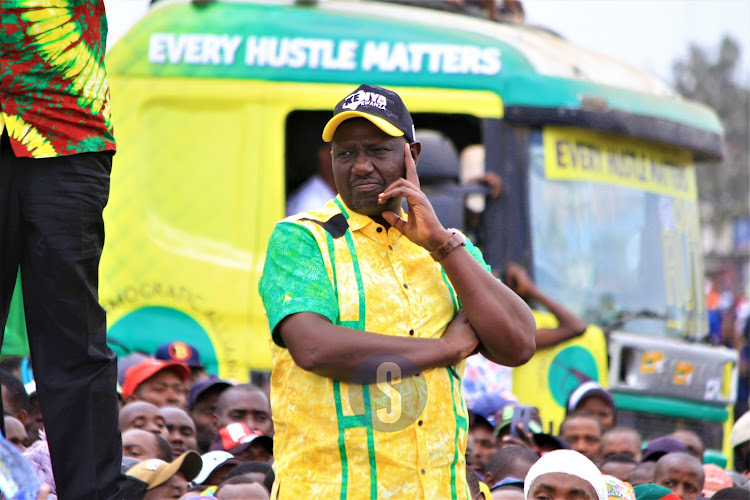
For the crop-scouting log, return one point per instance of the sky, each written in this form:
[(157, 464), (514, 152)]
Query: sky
[(648, 34)]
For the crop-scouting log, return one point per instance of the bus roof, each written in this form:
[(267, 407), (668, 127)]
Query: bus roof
[(540, 77)]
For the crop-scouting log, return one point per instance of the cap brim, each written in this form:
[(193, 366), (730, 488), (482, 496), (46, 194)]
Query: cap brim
[(382, 124)]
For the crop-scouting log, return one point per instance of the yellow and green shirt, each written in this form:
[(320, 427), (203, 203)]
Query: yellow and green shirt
[(333, 439)]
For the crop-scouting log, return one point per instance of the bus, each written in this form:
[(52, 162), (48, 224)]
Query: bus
[(218, 109)]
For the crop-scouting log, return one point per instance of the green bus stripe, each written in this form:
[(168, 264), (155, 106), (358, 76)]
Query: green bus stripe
[(342, 439), (450, 289), (454, 495), (670, 407)]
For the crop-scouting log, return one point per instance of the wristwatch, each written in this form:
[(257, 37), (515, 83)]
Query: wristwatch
[(455, 241)]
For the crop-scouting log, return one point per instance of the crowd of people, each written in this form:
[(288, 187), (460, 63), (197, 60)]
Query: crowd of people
[(188, 434)]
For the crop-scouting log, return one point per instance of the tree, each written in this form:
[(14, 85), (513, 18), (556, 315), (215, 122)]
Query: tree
[(724, 189)]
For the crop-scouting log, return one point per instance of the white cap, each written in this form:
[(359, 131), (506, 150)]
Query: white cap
[(567, 462), (740, 430), (211, 461)]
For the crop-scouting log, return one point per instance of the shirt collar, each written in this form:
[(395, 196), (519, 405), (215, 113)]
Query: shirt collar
[(356, 220)]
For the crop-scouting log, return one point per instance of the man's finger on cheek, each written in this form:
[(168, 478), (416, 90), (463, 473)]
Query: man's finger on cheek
[(411, 166)]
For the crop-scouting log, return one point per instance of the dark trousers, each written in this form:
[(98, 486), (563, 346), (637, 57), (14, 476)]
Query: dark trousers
[(51, 226)]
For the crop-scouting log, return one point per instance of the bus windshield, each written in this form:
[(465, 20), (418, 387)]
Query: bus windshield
[(617, 245)]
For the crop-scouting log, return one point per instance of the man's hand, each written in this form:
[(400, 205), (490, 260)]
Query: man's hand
[(518, 280), (460, 338), (423, 226)]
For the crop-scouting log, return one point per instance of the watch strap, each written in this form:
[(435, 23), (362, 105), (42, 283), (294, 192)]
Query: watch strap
[(455, 241)]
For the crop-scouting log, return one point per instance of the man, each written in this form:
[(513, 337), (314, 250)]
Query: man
[(509, 462), (591, 398), (619, 466), (240, 487), (584, 433), (144, 416), (621, 440), (161, 383), (56, 147), (167, 479), (680, 472), (739, 439), (356, 293), (692, 442), (242, 442), (140, 444), (244, 403), (181, 430), (183, 353), (202, 409), (564, 474)]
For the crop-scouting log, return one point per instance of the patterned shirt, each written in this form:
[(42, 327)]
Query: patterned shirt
[(54, 95), (330, 441)]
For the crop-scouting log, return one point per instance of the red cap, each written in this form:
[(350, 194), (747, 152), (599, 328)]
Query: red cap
[(146, 369)]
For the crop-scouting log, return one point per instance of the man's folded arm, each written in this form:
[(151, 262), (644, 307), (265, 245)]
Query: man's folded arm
[(336, 352)]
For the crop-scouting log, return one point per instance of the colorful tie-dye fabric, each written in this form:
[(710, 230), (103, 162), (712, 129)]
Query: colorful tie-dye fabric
[(54, 94), (327, 443)]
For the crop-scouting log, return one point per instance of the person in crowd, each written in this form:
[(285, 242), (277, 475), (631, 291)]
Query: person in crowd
[(508, 491), (643, 473), (565, 474), (472, 481), (680, 472), (145, 416), (202, 409), (483, 376), (183, 353), (486, 444), (244, 403), (739, 440), (692, 442), (140, 444), (242, 442), (161, 383), (56, 149), (125, 362), (167, 479), (15, 433), (241, 487), (14, 397), (584, 432), (393, 304), (649, 491), (733, 493), (34, 422), (216, 466), (318, 189), (590, 397), (258, 471), (621, 440), (619, 466), (716, 479), (509, 462), (180, 429), (658, 447)]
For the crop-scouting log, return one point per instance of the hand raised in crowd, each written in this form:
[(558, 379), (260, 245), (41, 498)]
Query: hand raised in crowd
[(422, 226), (518, 280)]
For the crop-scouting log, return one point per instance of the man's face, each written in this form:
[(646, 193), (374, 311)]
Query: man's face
[(600, 409), (15, 432), (684, 477), (140, 444), (485, 445), (256, 453), (175, 487), (365, 161), (145, 416), (558, 486), (620, 470), (584, 435), (180, 429), (164, 388), (251, 407), (619, 444), (203, 413)]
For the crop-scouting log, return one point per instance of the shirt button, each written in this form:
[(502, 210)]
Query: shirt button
[(390, 247), (423, 471), (406, 286), (419, 423), (418, 374), (411, 332), (379, 229)]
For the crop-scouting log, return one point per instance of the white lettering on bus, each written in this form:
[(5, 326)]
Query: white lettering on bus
[(193, 48), (324, 54)]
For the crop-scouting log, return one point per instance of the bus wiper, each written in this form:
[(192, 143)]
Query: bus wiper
[(623, 317)]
